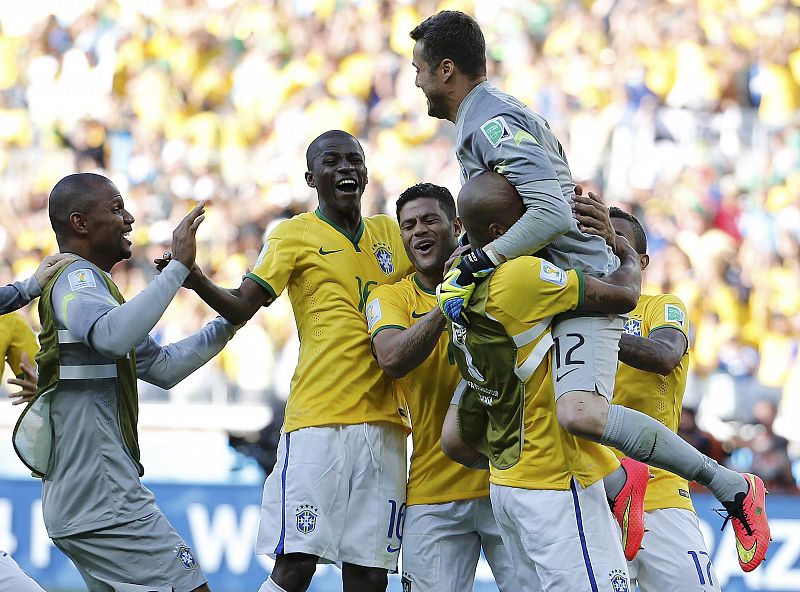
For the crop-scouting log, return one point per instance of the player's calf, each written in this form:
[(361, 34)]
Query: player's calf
[(357, 578)]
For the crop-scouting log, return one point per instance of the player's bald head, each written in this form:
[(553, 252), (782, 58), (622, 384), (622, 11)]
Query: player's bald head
[(318, 143), (488, 204), (75, 193)]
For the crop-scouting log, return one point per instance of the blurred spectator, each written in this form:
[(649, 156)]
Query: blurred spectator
[(683, 111)]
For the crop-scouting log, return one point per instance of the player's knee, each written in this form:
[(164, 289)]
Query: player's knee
[(582, 414), (293, 571)]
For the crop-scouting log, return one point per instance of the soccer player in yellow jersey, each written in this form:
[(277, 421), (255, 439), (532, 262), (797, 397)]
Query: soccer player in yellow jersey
[(546, 484), (448, 516), (16, 340), (654, 356), (337, 491)]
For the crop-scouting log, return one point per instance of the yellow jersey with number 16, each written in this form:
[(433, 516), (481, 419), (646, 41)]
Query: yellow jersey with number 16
[(329, 275)]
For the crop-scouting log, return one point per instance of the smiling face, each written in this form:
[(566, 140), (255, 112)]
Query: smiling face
[(429, 236), (429, 82), (108, 226), (338, 172)]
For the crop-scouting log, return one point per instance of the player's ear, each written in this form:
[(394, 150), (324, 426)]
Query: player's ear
[(447, 68), (645, 260), (78, 223), (310, 179), (496, 230), (457, 225)]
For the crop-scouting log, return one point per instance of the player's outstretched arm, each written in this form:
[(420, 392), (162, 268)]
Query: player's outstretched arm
[(399, 351), (236, 305), (660, 352), (619, 292)]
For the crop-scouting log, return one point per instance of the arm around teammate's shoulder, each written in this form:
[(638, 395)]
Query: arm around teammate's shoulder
[(660, 352), (618, 292)]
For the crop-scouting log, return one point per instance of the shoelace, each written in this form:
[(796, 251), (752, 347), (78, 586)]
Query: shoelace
[(736, 512)]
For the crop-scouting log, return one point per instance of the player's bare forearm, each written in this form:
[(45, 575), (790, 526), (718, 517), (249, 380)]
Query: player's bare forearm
[(236, 305), (661, 353), (400, 351), (619, 292)]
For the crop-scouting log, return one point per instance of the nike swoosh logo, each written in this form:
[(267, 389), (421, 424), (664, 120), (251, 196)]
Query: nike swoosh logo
[(418, 316), (390, 549), (324, 252), (625, 520), (565, 373), (746, 555)]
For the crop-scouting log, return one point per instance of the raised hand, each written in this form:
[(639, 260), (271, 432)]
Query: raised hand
[(50, 266), (184, 241), (591, 213)]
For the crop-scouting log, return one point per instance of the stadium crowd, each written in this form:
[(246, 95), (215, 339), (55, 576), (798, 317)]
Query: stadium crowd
[(686, 112)]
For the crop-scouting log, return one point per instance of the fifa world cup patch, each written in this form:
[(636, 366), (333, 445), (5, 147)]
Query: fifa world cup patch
[(374, 314), (383, 253), (306, 518), (633, 327), (552, 274), (619, 581), (497, 131), (673, 314), (185, 556), (81, 278), (406, 582)]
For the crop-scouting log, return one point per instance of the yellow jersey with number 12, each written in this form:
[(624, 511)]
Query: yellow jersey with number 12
[(660, 397), (329, 275), (428, 390)]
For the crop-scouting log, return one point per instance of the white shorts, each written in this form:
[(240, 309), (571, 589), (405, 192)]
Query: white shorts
[(569, 536), (674, 555), (585, 353), (13, 579), (442, 544), (337, 492), (145, 555)]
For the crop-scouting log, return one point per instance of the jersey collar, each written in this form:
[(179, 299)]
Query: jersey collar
[(353, 239), (421, 287), (467, 101)]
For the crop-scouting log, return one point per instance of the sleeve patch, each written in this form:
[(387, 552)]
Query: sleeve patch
[(81, 278), (262, 254), (673, 314), (497, 131), (550, 273), (374, 314)]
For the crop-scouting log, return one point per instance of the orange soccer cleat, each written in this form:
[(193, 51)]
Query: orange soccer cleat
[(628, 506), (748, 514)]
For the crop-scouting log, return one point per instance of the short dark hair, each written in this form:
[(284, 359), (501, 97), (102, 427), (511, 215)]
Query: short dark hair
[(73, 193), (313, 147), (639, 235), (454, 35), (441, 194)]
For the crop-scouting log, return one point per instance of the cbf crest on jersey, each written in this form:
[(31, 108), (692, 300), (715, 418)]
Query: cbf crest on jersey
[(383, 253), (633, 327), (619, 581), (186, 557), (306, 518)]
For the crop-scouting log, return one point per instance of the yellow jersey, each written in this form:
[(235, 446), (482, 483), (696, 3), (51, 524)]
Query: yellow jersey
[(523, 296), (329, 275), (428, 389), (16, 337), (660, 397)]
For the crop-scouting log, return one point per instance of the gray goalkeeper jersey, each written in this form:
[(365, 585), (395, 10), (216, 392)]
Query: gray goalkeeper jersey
[(496, 132), (93, 482)]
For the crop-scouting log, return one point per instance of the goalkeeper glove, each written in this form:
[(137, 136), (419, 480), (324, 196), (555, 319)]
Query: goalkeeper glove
[(454, 292)]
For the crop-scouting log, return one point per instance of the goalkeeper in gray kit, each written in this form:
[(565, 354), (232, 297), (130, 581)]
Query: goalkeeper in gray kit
[(496, 132)]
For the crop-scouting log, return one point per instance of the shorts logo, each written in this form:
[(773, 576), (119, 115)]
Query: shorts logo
[(496, 131), (619, 581), (406, 581), (552, 274), (185, 556), (383, 254), (81, 278), (673, 314), (633, 327), (306, 518)]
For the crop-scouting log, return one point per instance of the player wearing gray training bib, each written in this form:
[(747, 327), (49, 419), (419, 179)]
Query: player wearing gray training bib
[(79, 432)]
